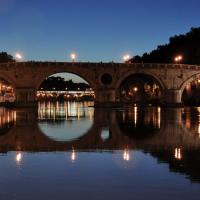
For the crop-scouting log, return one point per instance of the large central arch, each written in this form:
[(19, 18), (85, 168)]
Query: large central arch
[(47, 74), (81, 72)]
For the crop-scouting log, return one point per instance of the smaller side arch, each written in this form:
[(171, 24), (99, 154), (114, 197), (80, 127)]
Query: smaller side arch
[(140, 87), (8, 79), (187, 81), (128, 74)]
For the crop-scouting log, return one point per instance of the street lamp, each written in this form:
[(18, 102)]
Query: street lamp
[(178, 58), (73, 57), (135, 89), (18, 57), (126, 57)]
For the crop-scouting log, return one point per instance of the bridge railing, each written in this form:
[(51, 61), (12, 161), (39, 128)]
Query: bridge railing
[(101, 64)]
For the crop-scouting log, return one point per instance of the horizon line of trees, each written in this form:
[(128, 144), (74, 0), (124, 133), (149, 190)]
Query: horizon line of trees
[(187, 45), (60, 84), (5, 57)]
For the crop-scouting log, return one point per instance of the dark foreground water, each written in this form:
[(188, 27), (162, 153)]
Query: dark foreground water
[(71, 151)]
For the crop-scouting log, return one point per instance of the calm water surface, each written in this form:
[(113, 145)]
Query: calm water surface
[(73, 151)]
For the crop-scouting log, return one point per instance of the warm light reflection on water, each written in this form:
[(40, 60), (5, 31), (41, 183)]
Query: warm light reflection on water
[(191, 120), (139, 121), (178, 154), (73, 155), (128, 152), (65, 121), (126, 155), (7, 116), (18, 158), (55, 110)]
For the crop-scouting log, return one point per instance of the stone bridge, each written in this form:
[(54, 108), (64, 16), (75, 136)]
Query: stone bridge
[(104, 78)]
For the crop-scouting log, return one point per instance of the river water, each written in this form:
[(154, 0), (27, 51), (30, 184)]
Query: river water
[(72, 151)]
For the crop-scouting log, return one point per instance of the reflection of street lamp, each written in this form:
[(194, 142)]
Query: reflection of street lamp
[(73, 155), (178, 154), (18, 158), (126, 155), (178, 58)]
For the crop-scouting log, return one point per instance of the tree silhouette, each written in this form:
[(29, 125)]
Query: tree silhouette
[(5, 57), (187, 45), (60, 84)]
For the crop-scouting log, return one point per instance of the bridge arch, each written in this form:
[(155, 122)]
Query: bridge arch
[(79, 72), (188, 80), (8, 79), (151, 75), (7, 89), (147, 84), (189, 90)]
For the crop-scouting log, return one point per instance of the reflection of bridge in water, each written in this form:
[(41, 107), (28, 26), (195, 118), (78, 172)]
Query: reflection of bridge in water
[(63, 110), (169, 140), (169, 130)]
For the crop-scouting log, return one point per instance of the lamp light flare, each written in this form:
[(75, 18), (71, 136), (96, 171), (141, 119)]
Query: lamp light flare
[(126, 57), (18, 157), (73, 155), (135, 89), (73, 56), (18, 56), (178, 154), (126, 155), (178, 58)]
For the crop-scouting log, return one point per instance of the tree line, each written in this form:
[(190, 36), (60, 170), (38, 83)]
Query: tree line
[(187, 45), (5, 57), (60, 84)]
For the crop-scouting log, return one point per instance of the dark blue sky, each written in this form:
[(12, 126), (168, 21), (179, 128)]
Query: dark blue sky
[(98, 30)]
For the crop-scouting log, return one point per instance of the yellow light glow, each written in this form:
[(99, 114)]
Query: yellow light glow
[(73, 56), (126, 57), (126, 155), (135, 89), (178, 58), (18, 157), (135, 115), (18, 56), (73, 155), (178, 154)]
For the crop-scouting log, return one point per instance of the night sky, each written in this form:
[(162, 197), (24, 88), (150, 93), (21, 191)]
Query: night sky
[(97, 30)]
